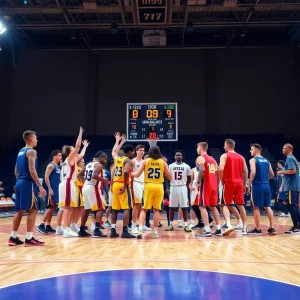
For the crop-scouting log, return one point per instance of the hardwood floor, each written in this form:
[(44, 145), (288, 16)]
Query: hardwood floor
[(272, 257)]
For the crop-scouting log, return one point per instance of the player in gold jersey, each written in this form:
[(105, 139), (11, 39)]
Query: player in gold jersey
[(154, 169), (121, 194)]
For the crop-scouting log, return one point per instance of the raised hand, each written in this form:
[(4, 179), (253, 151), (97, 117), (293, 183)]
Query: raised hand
[(117, 136), (85, 143), (81, 130), (123, 138)]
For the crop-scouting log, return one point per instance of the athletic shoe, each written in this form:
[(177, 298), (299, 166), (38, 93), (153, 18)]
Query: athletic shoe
[(134, 230), (155, 235), (74, 227), (187, 229), (170, 228), (283, 215), (204, 234), (107, 224), (255, 232), (160, 225), (148, 225), (113, 233), (99, 234), (127, 235), (198, 226), (293, 230), (69, 233), (14, 241), (191, 225), (33, 242), (93, 226), (129, 226), (83, 233), (180, 225), (245, 232), (224, 225), (146, 228), (41, 229), (59, 230), (218, 232), (271, 231), (239, 225), (49, 229), (228, 231)]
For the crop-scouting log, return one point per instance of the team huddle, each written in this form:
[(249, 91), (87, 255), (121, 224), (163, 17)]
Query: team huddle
[(140, 182)]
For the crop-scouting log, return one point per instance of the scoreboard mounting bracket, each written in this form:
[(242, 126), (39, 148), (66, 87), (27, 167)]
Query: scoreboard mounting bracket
[(152, 120)]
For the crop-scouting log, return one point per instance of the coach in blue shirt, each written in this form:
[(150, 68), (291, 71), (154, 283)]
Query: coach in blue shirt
[(291, 186)]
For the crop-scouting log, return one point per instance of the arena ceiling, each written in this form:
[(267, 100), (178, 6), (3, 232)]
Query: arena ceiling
[(103, 24)]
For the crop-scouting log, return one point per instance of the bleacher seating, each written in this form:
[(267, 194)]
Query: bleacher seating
[(272, 146)]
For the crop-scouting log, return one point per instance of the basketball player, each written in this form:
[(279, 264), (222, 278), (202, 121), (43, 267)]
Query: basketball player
[(233, 173), (155, 168), (279, 194), (121, 194), (52, 179), (67, 190), (93, 175), (209, 187), (261, 173), (26, 191), (181, 178), (291, 187)]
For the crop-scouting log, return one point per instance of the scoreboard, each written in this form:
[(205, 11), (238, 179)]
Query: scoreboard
[(152, 120), (152, 12)]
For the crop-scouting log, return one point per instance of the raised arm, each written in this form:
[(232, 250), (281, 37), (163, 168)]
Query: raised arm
[(74, 153), (31, 156), (48, 172), (85, 144), (117, 146)]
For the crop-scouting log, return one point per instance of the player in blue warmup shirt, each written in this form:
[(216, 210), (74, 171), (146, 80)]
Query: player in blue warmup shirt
[(52, 180), (261, 173), (27, 191), (291, 187)]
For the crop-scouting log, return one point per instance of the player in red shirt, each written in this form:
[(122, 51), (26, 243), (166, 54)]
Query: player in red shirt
[(233, 173), (208, 180)]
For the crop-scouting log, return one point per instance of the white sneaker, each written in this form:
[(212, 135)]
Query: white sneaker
[(180, 225), (134, 230), (191, 225), (93, 226), (228, 230), (145, 228), (74, 227), (68, 232), (239, 225), (283, 215), (224, 225), (59, 230)]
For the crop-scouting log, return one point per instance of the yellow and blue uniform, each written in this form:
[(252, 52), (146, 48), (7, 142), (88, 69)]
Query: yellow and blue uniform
[(78, 186), (54, 179), (154, 180), (26, 188), (124, 200)]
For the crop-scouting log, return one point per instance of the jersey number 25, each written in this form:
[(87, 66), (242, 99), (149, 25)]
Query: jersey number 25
[(154, 173)]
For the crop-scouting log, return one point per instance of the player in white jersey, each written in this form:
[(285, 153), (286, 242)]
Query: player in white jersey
[(137, 187), (67, 190), (181, 178), (93, 175)]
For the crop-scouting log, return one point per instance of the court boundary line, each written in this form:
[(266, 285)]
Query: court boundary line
[(132, 269)]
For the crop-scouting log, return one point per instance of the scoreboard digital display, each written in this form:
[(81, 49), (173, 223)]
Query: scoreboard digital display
[(152, 120), (152, 11)]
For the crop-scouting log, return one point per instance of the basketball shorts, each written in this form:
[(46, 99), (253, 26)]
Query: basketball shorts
[(153, 195), (194, 197), (261, 195), (92, 198), (67, 194), (178, 196), (289, 197), (233, 192), (26, 195), (52, 201), (208, 197), (122, 201), (79, 197), (138, 191)]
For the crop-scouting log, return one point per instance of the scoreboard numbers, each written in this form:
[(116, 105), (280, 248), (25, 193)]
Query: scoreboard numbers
[(152, 120), (152, 11)]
